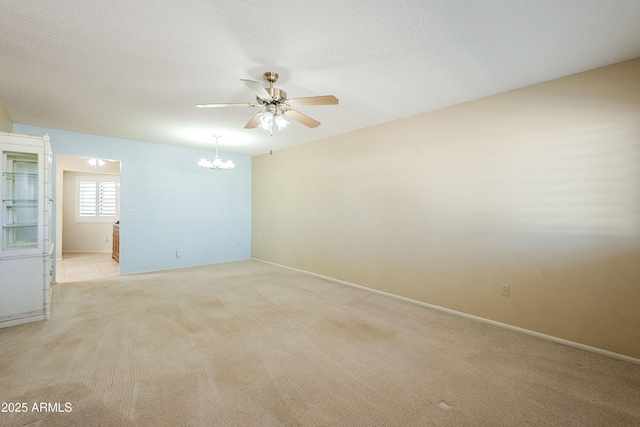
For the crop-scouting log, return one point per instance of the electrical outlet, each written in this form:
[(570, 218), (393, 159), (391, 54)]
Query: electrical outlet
[(178, 253), (505, 290)]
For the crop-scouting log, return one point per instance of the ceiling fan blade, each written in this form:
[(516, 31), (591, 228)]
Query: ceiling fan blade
[(313, 100), (258, 89), (253, 123), (299, 117), (246, 104)]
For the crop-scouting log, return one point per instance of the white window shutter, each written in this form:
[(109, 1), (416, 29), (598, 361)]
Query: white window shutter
[(107, 199), (97, 199), (87, 199)]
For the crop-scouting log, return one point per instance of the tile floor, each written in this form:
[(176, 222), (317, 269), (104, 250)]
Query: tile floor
[(79, 266)]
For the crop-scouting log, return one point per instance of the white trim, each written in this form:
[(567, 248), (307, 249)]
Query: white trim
[(182, 266), (21, 318), (562, 341), (82, 252)]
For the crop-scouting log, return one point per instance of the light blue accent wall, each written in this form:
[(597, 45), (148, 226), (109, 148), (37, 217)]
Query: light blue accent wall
[(168, 202)]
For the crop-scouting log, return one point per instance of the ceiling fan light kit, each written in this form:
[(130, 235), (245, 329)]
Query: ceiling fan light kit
[(96, 162), (271, 116), (277, 107)]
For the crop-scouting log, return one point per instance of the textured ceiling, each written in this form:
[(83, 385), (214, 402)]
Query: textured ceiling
[(136, 69)]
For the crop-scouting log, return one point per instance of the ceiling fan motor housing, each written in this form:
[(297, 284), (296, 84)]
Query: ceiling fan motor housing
[(277, 95)]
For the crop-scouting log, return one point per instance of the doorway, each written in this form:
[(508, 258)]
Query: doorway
[(87, 208)]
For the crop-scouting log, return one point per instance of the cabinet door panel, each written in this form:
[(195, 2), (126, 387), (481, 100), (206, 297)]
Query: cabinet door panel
[(21, 216), (21, 286)]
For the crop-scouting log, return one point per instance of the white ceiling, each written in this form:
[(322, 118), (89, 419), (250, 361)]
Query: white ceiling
[(136, 69)]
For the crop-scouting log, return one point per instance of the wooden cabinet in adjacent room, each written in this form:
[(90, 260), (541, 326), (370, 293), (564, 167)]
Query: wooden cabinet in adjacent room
[(115, 252)]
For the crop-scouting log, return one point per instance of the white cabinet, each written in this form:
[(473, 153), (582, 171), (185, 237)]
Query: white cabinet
[(26, 248)]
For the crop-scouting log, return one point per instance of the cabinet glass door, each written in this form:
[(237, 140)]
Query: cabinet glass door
[(20, 201)]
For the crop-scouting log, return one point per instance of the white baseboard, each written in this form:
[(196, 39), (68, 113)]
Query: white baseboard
[(19, 319), (562, 341), (179, 267), (84, 252)]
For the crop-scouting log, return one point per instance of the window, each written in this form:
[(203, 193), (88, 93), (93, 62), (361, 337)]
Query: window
[(97, 199)]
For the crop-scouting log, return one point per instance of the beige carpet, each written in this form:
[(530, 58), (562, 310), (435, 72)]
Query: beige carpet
[(250, 344)]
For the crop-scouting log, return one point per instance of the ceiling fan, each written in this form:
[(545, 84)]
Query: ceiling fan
[(277, 107)]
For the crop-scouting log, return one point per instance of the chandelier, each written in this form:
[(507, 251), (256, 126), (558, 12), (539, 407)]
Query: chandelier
[(216, 164)]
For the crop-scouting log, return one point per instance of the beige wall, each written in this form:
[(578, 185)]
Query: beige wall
[(72, 236), (537, 188), (6, 125)]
